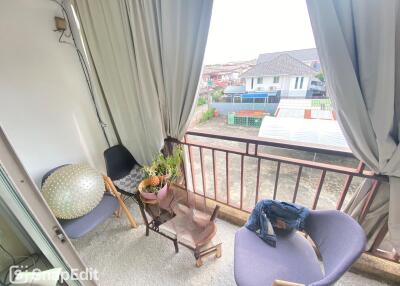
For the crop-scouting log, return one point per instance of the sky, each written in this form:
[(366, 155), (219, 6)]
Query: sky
[(243, 29)]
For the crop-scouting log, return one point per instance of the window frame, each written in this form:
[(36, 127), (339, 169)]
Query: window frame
[(301, 82)]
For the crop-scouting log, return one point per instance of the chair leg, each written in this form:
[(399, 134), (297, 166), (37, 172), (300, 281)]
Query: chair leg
[(199, 262), (110, 186), (218, 252), (176, 245), (118, 212), (142, 212), (129, 215)]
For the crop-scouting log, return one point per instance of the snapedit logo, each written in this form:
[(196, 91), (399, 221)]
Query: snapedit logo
[(19, 274)]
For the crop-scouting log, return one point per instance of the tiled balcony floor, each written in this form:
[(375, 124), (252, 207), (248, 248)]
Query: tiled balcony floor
[(126, 257)]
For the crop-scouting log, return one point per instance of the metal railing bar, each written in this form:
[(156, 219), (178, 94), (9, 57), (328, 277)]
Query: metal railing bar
[(343, 194), (258, 180), (214, 174), (278, 168), (296, 188), (227, 176), (192, 168), (203, 177), (368, 202), (314, 148), (241, 180), (379, 238), (299, 162), (319, 189)]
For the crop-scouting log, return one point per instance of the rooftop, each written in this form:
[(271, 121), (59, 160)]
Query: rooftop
[(302, 55), (282, 64)]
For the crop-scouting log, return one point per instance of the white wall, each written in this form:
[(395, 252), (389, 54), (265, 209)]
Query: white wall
[(267, 84), (298, 92), (286, 84), (45, 106)]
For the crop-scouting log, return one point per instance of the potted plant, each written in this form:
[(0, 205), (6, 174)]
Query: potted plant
[(158, 176)]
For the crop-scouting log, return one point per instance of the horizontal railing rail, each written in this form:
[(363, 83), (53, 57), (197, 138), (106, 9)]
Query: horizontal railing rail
[(254, 148)]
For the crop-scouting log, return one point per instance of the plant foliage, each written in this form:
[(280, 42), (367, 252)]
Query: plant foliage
[(168, 166), (201, 101), (207, 115)]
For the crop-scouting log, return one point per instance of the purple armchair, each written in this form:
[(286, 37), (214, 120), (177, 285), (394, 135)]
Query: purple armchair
[(340, 241)]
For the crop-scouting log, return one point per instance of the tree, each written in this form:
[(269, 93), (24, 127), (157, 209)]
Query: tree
[(320, 76)]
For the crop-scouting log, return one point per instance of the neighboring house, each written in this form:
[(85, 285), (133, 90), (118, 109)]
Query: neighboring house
[(308, 56), (285, 74), (224, 74)]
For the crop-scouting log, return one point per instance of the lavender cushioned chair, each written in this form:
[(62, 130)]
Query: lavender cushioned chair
[(339, 239)]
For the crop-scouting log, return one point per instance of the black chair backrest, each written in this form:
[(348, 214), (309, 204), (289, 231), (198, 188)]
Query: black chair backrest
[(119, 162)]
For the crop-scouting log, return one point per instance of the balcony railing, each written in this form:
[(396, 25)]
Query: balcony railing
[(239, 171)]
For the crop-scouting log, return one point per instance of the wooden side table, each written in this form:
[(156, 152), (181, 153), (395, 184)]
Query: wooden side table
[(161, 224)]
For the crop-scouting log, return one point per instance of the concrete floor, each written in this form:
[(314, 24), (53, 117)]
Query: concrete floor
[(125, 256)]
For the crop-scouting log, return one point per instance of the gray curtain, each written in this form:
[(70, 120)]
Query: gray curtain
[(148, 56), (358, 42)]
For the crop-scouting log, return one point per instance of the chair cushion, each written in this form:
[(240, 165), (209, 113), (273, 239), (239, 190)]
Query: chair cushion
[(130, 182), (257, 263), (75, 228)]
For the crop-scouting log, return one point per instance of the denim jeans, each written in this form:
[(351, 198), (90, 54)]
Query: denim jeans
[(268, 214)]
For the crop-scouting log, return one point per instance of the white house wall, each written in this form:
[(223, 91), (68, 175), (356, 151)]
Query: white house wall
[(298, 92), (45, 105), (286, 85), (267, 84)]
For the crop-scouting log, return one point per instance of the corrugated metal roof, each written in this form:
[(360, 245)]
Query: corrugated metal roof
[(312, 131), (302, 55), (283, 64)]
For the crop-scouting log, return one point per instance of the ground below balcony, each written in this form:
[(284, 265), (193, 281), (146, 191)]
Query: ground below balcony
[(125, 256)]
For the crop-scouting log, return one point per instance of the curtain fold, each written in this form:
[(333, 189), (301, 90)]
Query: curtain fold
[(148, 55), (358, 43)]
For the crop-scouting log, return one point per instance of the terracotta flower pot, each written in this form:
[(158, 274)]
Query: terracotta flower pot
[(152, 196)]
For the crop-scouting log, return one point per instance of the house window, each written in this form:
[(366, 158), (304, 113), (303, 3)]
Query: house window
[(259, 80), (276, 79), (301, 82), (296, 83)]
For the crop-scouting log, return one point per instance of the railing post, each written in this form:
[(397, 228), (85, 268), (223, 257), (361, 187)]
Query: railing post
[(241, 181), (203, 177), (344, 192), (371, 195), (258, 180), (227, 176), (278, 168), (215, 175), (319, 189), (296, 188)]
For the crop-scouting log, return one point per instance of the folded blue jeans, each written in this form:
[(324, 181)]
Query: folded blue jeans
[(268, 214)]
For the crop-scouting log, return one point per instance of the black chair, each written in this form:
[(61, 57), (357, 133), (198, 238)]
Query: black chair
[(119, 163)]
